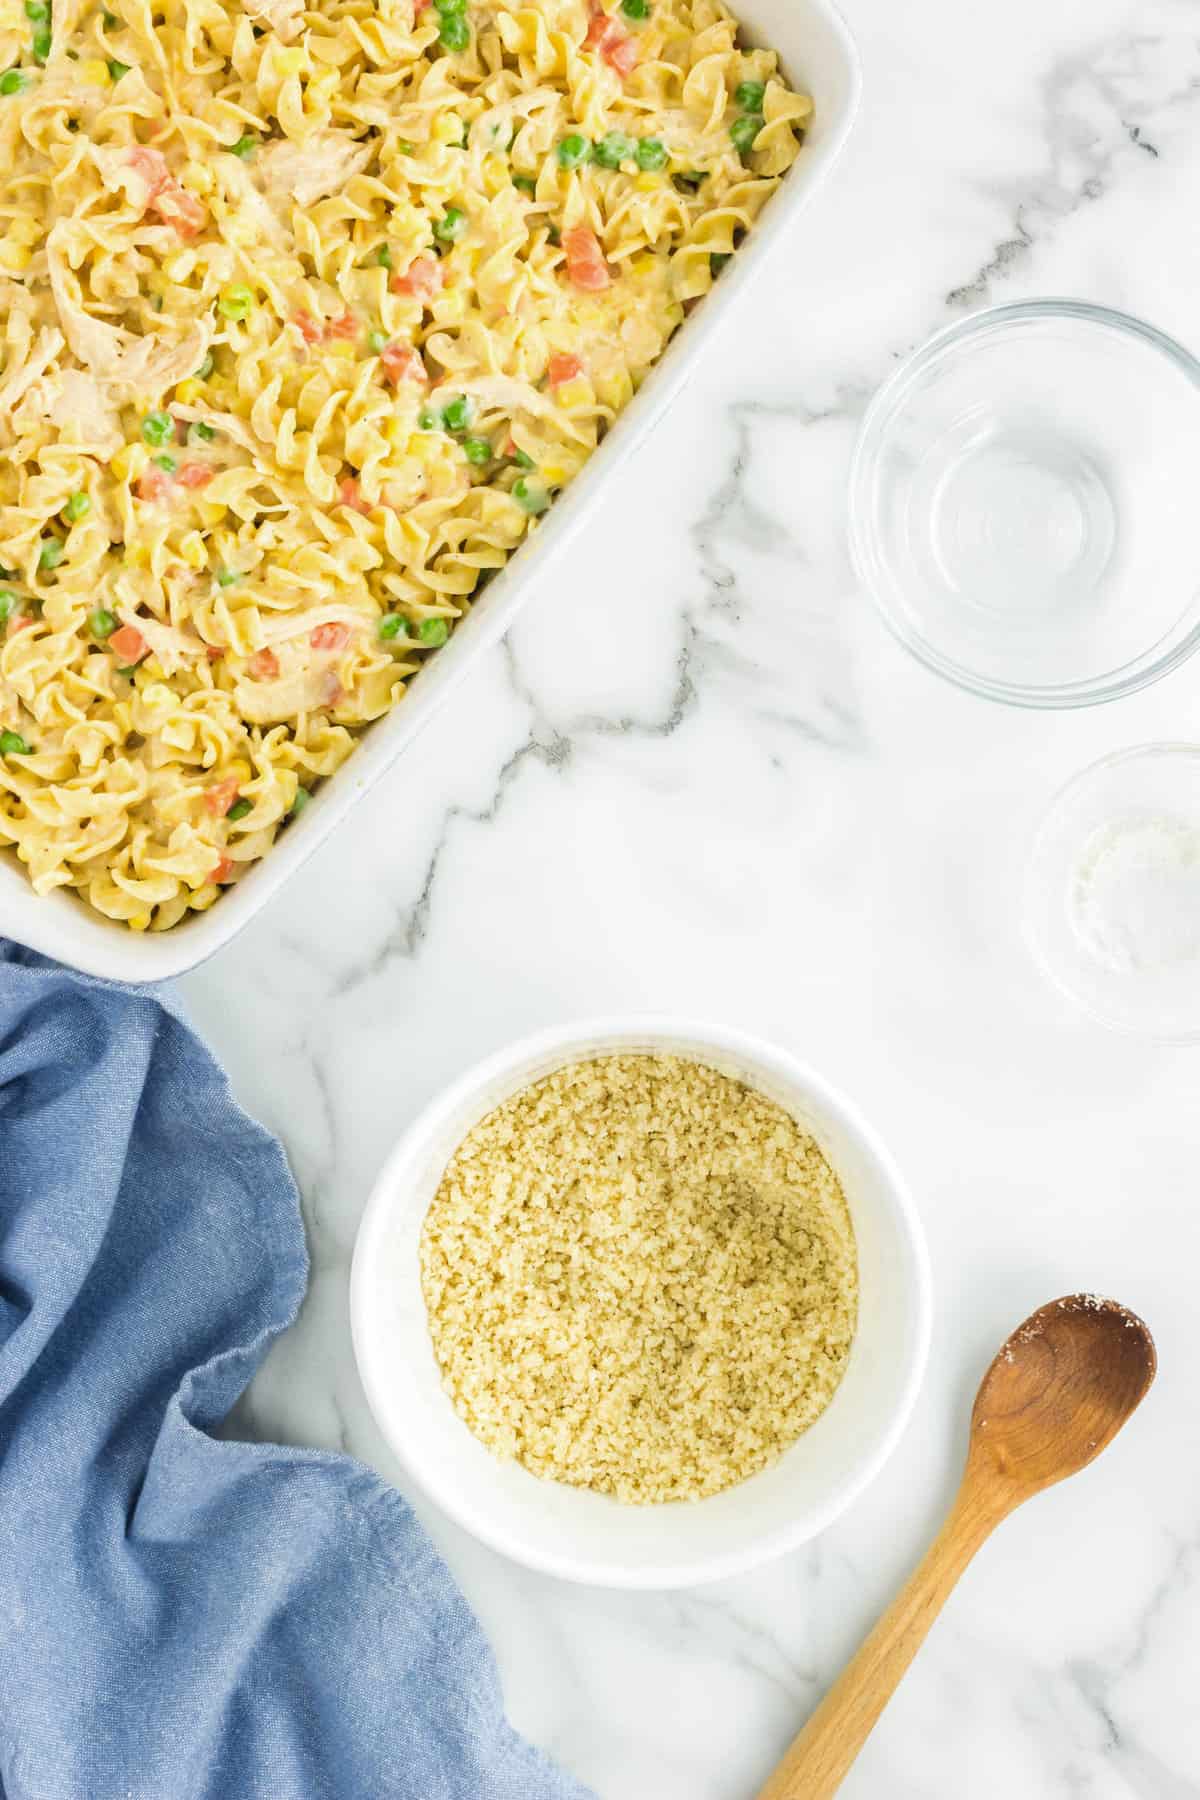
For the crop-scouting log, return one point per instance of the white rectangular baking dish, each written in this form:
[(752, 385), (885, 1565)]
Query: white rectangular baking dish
[(818, 54)]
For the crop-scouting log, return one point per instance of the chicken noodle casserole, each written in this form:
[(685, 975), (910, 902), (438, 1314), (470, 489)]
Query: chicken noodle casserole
[(307, 313), (641, 1278)]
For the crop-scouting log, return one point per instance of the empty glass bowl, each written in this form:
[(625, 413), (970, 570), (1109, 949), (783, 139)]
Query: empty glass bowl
[(1023, 503), (1112, 895)]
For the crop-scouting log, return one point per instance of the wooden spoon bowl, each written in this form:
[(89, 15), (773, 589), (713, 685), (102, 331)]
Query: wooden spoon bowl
[(1059, 1390), (1056, 1395)]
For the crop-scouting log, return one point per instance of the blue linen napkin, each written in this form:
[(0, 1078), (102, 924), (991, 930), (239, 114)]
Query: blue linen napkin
[(183, 1618)]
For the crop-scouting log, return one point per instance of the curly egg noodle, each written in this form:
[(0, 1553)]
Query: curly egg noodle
[(306, 313)]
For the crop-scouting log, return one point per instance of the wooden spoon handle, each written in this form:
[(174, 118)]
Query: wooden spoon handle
[(820, 1758)]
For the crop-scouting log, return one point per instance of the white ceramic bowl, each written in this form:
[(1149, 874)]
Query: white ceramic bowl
[(587, 1537)]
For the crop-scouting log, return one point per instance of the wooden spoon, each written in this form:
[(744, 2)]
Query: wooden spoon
[(1058, 1392)]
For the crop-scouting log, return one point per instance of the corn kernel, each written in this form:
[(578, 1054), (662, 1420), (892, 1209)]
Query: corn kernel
[(451, 305), (123, 714), (289, 62), (128, 463), (197, 177), (138, 555), (447, 129), (26, 231), (555, 473), (94, 73), (212, 512), (192, 550), (158, 696), (153, 667), (495, 174), (395, 431), (14, 257), (645, 264), (576, 392), (425, 447), (138, 921), (615, 390), (342, 348), (188, 392), (647, 181)]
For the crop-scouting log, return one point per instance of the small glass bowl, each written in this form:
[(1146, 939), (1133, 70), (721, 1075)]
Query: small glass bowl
[(1023, 503), (1112, 892)]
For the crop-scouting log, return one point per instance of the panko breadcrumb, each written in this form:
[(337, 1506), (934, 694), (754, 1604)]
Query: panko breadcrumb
[(641, 1278)]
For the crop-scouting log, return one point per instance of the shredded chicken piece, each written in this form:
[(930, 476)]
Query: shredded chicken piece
[(76, 403), (171, 646), (303, 173), (32, 365), (268, 702), (283, 16), (128, 366), (509, 395)]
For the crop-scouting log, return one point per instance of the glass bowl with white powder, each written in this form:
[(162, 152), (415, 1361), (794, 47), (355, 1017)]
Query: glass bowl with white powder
[(1112, 900)]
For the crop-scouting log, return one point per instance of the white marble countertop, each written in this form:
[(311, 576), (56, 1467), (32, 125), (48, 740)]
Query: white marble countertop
[(700, 777)]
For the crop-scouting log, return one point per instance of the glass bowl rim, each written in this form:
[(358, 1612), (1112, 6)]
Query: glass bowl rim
[(1147, 667)]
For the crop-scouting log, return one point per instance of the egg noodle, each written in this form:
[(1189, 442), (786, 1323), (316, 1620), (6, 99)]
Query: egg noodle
[(307, 312)]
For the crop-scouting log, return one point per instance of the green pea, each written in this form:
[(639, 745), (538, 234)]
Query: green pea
[(428, 419), (41, 43), (433, 632), (117, 69), (526, 183), (158, 428), (456, 414), (748, 96), (404, 148), (50, 554), (206, 368), (227, 577), (37, 11), (200, 433), (450, 227), (573, 151), (13, 744), (716, 263), (522, 460), (636, 9), (78, 507), (651, 154), (8, 606), (102, 623), (530, 496), (300, 802), (376, 341), (477, 451), (12, 81), (245, 146), (614, 148), (393, 625), (383, 256), (236, 302), (455, 33), (743, 131), (238, 810), (448, 8), (167, 464)]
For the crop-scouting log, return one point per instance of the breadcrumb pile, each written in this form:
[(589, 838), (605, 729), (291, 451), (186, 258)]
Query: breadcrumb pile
[(641, 1278)]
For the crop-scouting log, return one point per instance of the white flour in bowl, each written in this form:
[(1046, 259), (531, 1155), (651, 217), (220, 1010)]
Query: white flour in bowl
[(1134, 897)]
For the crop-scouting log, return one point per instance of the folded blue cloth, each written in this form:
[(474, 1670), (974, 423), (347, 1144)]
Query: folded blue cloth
[(183, 1618)]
